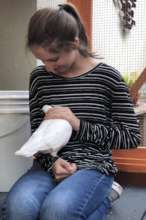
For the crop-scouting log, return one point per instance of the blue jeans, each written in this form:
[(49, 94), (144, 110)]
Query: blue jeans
[(81, 196)]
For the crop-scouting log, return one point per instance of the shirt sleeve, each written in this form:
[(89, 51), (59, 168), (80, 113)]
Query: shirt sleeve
[(36, 116), (122, 130)]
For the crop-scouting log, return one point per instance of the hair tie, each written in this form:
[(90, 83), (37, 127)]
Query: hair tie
[(61, 7)]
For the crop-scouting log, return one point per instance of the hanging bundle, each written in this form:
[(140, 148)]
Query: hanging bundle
[(126, 12)]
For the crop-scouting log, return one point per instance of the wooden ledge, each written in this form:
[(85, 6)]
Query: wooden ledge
[(133, 160)]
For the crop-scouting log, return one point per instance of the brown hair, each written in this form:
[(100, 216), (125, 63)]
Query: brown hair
[(57, 28)]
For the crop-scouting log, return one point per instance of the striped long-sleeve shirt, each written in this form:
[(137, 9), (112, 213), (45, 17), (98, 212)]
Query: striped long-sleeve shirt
[(100, 99)]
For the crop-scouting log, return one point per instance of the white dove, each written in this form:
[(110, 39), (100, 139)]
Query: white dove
[(49, 137)]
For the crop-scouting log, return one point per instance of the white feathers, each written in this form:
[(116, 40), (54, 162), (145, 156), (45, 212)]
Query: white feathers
[(50, 137)]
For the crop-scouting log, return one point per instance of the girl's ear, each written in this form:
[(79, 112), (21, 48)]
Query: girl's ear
[(77, 41)]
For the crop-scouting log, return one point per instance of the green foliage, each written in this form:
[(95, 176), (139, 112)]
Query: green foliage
[(130, 78)]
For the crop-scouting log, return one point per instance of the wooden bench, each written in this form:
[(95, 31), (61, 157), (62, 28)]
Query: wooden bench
[(132, 166), (133, 160)]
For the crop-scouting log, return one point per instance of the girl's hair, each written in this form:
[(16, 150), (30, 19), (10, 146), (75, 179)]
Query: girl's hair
[(57, 29)]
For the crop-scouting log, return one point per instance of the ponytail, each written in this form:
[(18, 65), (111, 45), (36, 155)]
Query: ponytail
[(73, 11)]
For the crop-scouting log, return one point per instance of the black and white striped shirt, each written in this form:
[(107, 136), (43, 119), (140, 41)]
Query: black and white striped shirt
[(101, 100)]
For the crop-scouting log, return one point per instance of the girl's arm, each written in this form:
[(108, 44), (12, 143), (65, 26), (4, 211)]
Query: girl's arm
[(122, 131)]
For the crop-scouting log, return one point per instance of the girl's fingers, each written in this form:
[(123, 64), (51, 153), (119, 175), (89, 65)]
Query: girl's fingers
[(60, 177)]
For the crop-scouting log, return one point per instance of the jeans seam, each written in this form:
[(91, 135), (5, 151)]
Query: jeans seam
[(89, 195)]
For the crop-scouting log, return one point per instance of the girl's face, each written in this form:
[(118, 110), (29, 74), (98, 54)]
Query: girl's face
[(58, 62)]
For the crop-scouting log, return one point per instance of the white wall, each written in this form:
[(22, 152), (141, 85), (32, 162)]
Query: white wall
[(126, 54), (49, 3), (14, 131), (15, 63)]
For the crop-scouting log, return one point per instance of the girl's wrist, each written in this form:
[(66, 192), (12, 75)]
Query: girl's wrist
[(76, 124)]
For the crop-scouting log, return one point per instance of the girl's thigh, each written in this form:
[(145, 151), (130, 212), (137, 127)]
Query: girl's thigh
[(27, 194), (79, 194)]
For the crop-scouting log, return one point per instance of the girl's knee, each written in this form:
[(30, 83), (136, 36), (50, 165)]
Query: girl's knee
[(56, 206), (20, 204)]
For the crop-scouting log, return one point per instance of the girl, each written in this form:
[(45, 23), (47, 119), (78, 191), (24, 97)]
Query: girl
[(92, 96)]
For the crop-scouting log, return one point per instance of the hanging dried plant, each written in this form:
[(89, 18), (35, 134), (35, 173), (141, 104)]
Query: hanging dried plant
[(126, 12)]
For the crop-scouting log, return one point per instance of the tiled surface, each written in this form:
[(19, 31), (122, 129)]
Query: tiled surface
[(130, 206)]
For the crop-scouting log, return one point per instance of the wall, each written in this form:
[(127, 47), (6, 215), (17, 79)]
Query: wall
[(14, 131), (127, 54), (50, 3), (15, 62)]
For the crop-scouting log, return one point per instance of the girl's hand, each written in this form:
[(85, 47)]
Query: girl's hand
[(63, 168), (63, 113)]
